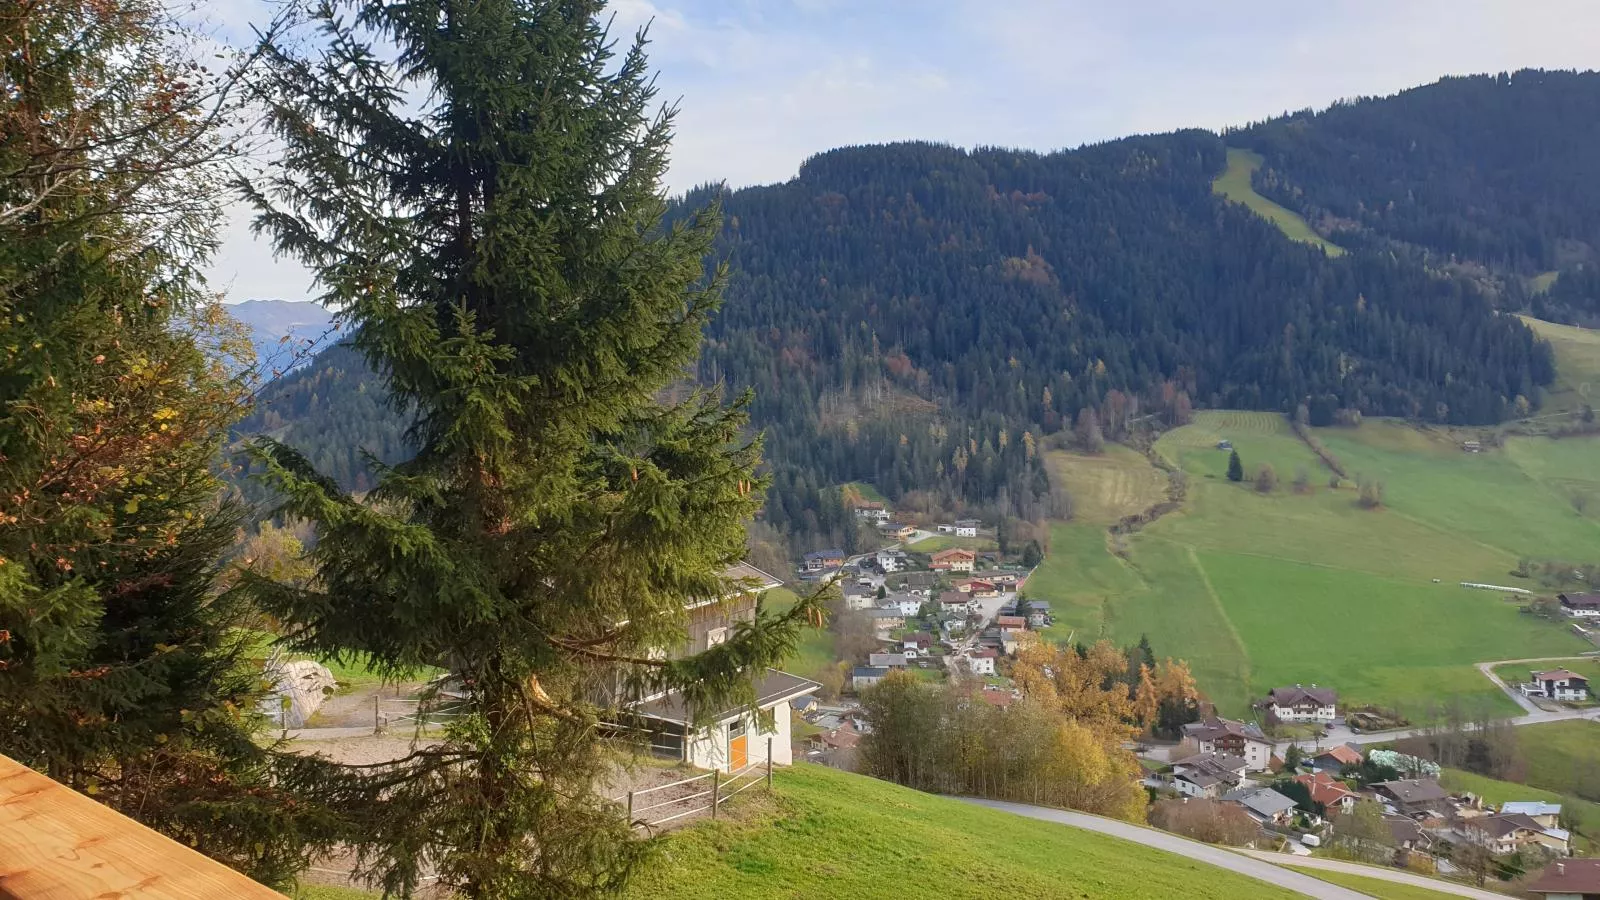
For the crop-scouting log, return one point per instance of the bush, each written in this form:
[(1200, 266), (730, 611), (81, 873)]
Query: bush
[(1266, 479), (1205, 820)]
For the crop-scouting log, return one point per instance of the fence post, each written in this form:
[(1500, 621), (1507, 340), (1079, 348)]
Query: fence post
[(630, 809), (377, 720), (714, 786), (769, 764)]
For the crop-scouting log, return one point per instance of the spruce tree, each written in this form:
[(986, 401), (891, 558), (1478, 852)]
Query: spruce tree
[(487, 213), (1235, 467), (120, 666)]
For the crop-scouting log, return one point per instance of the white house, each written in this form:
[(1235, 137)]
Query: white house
[(956, 559), (857, 597), (1218, 735), (862, 677), (946, 528), (1207, 774), (967, 527), (982, 661), (1303, 704), (1583, 606), (907, 605), (886, 660), (736, 738), (873, 512), (890, 560), (1557, 684)]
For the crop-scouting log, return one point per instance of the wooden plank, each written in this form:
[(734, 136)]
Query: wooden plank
[(57, 844)]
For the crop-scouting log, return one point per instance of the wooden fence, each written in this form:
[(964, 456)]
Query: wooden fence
[(707, 791)]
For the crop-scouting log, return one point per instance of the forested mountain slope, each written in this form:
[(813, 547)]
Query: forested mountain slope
[(924, 317)]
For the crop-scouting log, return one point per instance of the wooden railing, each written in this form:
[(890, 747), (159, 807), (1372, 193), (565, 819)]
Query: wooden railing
[(57, 844)]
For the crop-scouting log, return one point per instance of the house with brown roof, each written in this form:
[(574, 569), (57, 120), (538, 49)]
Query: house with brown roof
[(1208, 775), (1011, 621), (1410, 796), (1504, 833), (956, 602), (982, 661), (1407, 833), (1303, 704), (1557, 684), (1328, 791), (1568, 879), (1584, 606), (1334, 759), (955, 559), (1219, 735)]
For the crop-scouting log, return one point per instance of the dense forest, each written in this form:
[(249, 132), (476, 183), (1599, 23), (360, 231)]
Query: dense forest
[(930, 319)]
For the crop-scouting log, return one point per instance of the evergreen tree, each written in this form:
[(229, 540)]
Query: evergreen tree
[(120, 666), (1235, 467), (501, 256)]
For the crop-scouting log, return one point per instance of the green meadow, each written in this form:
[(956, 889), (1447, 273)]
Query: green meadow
[(1234, 184), (1258, 591), (1577, 366)]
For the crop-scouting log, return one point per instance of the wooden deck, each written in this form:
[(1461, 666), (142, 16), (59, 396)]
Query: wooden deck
[(56, 844)]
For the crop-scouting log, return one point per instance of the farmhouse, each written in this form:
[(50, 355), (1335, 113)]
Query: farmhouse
[(1328, 791), (1568, 879), (967, 527), (1265, 805), (823, 560), (1334, 759), (863, 677), (1303, 704), (1581, 605), (734, 737), (955, 559), (1413, 795), (1557, 684), (1512, 832), (1218, 735), (1208, 775)]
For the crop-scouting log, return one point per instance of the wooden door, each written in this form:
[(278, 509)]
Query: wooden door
[(738, 748)]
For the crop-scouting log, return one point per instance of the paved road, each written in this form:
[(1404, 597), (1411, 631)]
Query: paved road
[(1395, 875), (1160, 840)]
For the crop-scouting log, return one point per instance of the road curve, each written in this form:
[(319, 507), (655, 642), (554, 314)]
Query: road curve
[(1394, 875), (1277, 876)]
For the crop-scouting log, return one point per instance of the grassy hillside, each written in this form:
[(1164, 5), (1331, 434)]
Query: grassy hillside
[(1104, 488), (1577, 365), (1258, 591), (1563, 757), (816, 651), (1376, 887), (1497, 792), (830, 833), (1234, 184)]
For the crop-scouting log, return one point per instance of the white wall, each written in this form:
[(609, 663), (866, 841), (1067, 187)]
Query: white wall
[(709, 747)]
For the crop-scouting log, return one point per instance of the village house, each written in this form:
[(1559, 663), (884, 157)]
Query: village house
[(978, 587), (890, 560), (1334, 759), (967, 527), (919, 642), (859, 597), (1581, 605), (1208, 775), (896, 531), (1038, 613), (1218, 735), (872, 511), (1568, 879), (884, 620), (1303, 704), (842, 738), (863, 677), (925, 581), (823, 560), (1003, 580), (1547, 815), (1010, 641), (1504, 833), (956, 601), (886, 660), (1557, 684), (982, 661), (1265, 805), (1407, 833), (908, 605), (1411, 796), (1328, 791), (955, 559)]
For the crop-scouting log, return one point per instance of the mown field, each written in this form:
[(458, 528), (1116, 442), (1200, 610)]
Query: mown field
[(1577, 366), (946, 541), (1563, 757), (815, 651), (1259, 590), (832, 834), (1234, 184)]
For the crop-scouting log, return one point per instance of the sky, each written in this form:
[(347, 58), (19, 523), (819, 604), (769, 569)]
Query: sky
[(763, 84)]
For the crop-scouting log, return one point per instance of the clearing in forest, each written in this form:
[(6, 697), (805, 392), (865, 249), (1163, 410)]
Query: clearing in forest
[(1104, 488), (1259, 590), (1577, 366), (1234, 184)]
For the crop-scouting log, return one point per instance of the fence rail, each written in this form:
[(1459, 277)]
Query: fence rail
[(724, 786)]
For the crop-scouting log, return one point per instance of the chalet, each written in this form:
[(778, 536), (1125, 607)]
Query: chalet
[(863, 677), (1265, 805), (955, 559), (1557, 684), (979, 587), (1334, 759), (733, 738), (886, 660), (1568, 879), (967, 527), (872, 511), (1504, 833), (1303, 704), (982, 661), (823, 560), (956, 601), (1218, 735), (1208, 775), (1410, 796), (1585, 605), (1546, 814), (1328, 791), (896, 530)]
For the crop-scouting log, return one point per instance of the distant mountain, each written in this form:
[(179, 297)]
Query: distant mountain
[(928, 319), (285, 333)]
